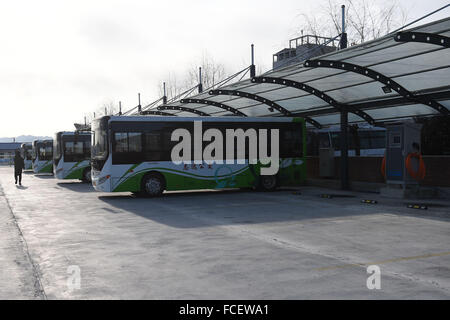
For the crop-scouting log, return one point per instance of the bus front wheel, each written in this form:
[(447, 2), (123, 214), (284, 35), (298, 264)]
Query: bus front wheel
[(87, 175), (268, 183), (153, 184)]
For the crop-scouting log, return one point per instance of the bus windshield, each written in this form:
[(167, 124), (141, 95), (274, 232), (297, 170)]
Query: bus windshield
[(26, 151), (45, 150), (76, 147), (100, 139), (29, 153)]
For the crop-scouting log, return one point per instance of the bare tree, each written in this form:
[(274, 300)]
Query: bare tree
[(173, 86), (371, 22), (212, 72), (313, 25), (365, 19), (260, 69), (108, 107), (88, 117)]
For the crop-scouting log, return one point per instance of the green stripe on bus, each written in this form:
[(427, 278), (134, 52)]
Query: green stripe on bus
[(76, 174), (47, 168)]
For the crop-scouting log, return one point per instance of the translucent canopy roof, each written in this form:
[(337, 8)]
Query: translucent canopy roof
[(398, 76)]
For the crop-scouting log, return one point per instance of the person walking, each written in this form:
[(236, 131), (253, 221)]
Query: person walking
[(19, 165)]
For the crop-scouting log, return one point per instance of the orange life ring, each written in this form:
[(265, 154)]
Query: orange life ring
[(420, 173)]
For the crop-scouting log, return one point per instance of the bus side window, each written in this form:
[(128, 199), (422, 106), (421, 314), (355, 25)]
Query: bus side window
[(134, 142), (336, 141), (364, 140), (167, 144), (78, 147), (127, 147), (153, 146), (87, 148), (120, 142), (378, 139), (68, 148), (291, 143)]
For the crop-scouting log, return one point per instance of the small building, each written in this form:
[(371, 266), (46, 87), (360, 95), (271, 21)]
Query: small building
[(7, 151), (303, 48)]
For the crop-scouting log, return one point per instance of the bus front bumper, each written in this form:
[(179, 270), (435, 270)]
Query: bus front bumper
[(101, 183), (59, 173)]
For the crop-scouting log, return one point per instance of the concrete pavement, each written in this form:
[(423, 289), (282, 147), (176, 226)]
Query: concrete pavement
[(214, 245), (18, 276)]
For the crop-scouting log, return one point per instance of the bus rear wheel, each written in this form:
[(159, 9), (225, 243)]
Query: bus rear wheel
[(268, 183), (153, 185)]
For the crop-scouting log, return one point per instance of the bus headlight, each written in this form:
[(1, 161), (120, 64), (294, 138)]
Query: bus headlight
[(103, 179)]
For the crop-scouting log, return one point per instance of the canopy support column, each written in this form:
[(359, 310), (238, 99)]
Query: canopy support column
[(345, 185), (252, 66)]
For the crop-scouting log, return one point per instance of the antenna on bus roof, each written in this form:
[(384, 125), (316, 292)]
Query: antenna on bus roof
[(120, 108)]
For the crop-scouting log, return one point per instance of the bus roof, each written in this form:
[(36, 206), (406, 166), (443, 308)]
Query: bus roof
[(338, 128), (206, 119), (46, 140), (68, 133)]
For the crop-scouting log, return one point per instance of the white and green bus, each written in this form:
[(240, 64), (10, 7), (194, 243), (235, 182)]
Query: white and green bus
[(72, 155), (133, 154), (42, 160), (27, 155)]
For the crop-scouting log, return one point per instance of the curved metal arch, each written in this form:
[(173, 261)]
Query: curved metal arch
[(251, 96), (423, 37), (377, 77), (157, 113), (215, 104), (197, 112), (317, 93), (268, 102)]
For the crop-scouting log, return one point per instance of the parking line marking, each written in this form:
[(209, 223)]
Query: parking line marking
[(383, 261)]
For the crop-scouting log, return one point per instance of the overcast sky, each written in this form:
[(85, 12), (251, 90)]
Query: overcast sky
[(60, 60)]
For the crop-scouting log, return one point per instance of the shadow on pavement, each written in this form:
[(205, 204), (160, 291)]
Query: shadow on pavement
[(77, 186), (198, 209), (168, 195), (44, 176)]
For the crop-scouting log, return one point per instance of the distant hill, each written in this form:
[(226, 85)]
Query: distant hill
[(24, 138)]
